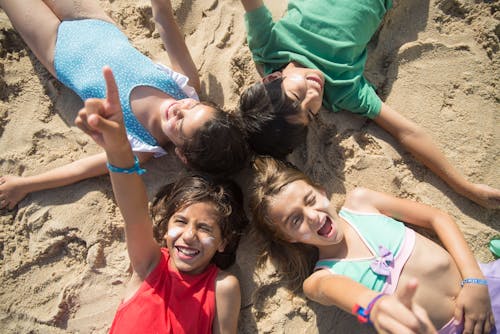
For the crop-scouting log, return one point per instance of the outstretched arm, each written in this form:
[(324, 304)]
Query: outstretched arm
[(180, 58), (390, 314), (102, 119), (473, 302), (421, 145), (14, 188)]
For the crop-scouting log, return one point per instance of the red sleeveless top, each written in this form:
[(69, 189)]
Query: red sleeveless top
[(169, 301)]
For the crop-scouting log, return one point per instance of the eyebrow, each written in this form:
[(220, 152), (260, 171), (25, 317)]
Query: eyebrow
[(306, 197)]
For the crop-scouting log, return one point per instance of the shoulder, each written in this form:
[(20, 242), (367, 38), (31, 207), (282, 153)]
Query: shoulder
[(226, 284), (361, 199), (312, 285)]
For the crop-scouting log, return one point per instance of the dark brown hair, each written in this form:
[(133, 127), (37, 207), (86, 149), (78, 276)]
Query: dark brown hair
[(219, 146), (268, 114), (224, 195)]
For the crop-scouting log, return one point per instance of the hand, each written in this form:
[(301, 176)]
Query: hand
[(11, 191), (399, 314), (484, 195), (473, 307), (102, 119)]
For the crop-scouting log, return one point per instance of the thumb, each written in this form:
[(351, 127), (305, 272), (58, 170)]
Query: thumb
[(99, 123), (406, 295)]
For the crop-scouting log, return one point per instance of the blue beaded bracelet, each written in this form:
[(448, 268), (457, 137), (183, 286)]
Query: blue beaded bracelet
[(134, 169), (473, 281)]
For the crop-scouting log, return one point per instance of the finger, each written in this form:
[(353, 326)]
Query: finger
[(469, 326), (100, 124), (112, 96), (487, 327), (388, 324), (82, 122), (459, 313), (397, 312), (426, 325), (406, 294), (478, 328)]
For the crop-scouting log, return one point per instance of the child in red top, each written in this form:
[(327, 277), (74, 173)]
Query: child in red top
[(177, 289)]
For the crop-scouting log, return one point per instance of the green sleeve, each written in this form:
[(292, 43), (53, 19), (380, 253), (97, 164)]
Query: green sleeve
[(259, 23)]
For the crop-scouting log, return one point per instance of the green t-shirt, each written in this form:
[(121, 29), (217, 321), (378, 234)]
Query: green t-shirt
[(329, 35)]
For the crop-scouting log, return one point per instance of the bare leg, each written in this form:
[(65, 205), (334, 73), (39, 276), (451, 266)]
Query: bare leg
[(37, 25), (77, 9), (37, 22)]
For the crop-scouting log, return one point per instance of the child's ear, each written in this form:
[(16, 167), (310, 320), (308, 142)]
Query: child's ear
[(181, 155), (222, 246)]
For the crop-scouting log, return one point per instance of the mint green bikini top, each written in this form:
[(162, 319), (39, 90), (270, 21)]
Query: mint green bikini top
[(390, 242)]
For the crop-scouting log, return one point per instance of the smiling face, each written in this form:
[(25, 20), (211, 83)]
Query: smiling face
[(303, 214), (193, 237), (182, 118), (303, 85)]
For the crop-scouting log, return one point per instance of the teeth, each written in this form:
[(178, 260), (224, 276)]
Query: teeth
[(187, 251)]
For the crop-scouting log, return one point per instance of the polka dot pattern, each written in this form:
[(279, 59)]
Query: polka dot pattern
[(83, 47)]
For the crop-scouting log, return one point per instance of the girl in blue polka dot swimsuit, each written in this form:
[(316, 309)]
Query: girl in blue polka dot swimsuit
[(159, 106)]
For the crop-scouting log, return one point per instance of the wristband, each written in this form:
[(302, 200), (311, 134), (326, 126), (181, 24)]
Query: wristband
[(134, 169), (363, 314), (473, 281)]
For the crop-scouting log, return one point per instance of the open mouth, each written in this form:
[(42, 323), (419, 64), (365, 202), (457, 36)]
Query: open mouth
[(326, 229), (187, 251)]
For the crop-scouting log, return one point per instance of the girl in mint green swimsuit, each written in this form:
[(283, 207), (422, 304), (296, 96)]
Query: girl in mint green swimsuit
[(366, 261)]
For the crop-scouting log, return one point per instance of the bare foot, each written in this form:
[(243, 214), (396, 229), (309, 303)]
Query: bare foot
[(11, 191), (485, 195)]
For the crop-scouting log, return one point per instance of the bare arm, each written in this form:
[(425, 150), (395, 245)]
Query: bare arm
[(391, 314), (179, 55), (228, 304), (421, 145), (473, 300), (250, 5), (102, 119), (14, 188)]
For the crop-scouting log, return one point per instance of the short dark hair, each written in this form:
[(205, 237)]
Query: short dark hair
[(223, 194), (266, 112), (219, 146)]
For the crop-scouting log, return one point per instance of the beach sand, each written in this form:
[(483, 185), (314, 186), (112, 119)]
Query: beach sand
[(63, 261)]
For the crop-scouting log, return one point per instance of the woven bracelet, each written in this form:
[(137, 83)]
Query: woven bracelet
[(134, 169)]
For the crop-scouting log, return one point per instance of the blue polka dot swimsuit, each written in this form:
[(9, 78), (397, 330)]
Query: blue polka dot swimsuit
[(83, 47)]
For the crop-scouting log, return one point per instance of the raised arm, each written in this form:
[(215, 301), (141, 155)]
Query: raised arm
[(180, 58), (473, 301), (250, 5), (421, 145), (102, 119)]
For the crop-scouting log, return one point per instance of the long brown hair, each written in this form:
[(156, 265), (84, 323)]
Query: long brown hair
[(294, 261)]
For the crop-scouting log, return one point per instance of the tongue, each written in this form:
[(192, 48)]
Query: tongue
[(325, 229)]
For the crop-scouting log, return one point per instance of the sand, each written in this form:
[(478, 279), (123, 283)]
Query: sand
[(63, 262)]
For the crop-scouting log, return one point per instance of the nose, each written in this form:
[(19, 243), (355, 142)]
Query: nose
[(189, 234), (312, 217)]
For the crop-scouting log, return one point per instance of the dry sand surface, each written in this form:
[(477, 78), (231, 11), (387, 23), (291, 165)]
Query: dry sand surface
[(63, 262)]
